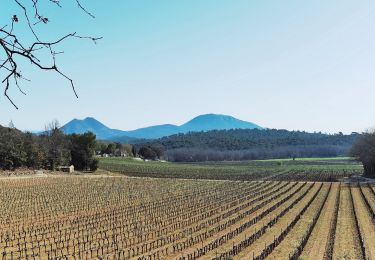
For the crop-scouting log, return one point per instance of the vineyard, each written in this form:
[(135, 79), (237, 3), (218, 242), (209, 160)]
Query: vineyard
[(117, 217), (299, 170)]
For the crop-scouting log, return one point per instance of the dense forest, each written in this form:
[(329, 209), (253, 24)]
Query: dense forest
[(53, 148), (48, 150), (245, 144)]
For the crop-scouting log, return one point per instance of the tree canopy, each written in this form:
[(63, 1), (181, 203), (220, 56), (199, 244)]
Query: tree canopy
[(249, 144), (364, 151), (83, 150)]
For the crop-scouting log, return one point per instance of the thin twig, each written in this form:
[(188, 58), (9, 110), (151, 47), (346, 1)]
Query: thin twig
[(14, 50)]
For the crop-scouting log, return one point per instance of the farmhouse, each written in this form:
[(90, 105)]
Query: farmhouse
[(69, 169)]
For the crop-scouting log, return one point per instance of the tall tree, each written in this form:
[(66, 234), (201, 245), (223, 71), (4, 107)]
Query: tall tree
[(12, 154), (35, 158), (83, 151), (56, 145), (134, 151), (111, 148), (364, 151)]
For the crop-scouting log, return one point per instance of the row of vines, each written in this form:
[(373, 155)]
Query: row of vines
[(116, 217)]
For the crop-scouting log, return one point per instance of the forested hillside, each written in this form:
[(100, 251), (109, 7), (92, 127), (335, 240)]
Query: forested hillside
[(246, 144)]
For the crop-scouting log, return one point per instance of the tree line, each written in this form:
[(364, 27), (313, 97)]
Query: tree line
[(48, 150), (52, 148), (202, 155), (116, 149), (252, 144)]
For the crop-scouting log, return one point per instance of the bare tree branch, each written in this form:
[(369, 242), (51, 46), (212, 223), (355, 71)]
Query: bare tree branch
[(15, 50)]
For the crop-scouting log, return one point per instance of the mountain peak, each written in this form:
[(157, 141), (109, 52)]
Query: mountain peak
[(210, 116), (90, 119), (88, 122), (209, 122), (78, 126)]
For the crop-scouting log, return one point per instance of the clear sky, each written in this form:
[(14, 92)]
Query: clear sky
[(306, 65)]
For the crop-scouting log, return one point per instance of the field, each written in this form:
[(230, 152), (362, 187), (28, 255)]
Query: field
[(319, 169), (114, 216)]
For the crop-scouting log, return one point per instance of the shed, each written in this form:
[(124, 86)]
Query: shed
[(68, 169)]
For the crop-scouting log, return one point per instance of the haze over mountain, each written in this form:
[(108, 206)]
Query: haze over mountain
[(200, 123)]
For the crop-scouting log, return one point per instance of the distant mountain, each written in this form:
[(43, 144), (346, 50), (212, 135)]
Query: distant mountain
[(198, 124), (101, 131), (154, 132), (216, 122)]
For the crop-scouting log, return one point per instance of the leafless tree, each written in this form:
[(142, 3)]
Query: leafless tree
[(14, 50), (56, 145)]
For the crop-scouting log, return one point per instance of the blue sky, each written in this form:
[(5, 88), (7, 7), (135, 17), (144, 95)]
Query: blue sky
[(306, 65)]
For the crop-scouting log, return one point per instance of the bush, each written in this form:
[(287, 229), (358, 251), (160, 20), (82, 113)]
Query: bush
[(147, 153), (94, 165)]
